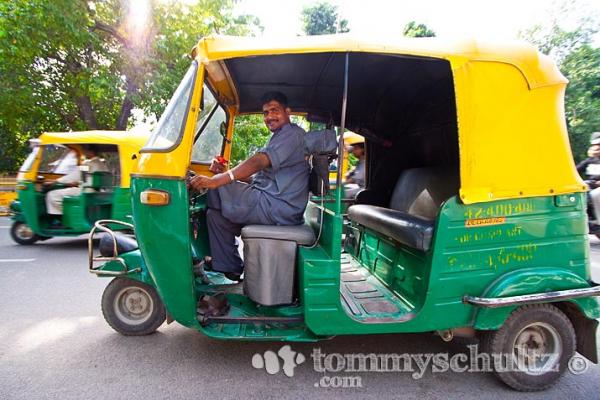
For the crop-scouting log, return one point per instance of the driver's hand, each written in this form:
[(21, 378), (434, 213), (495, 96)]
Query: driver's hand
[(216, 167), (200, 182)]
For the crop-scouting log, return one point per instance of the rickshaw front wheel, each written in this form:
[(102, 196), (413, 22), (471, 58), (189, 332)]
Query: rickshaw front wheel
[(132, 308), (533, 347), (22, 233)]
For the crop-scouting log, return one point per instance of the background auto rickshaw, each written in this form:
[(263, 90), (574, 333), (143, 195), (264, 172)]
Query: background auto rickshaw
[(472, 222), (103, 194)]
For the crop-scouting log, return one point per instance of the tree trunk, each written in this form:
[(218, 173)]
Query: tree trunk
[(86, 112), (127, 106)]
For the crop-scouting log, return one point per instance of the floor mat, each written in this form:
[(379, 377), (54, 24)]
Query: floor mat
[(366, 299)]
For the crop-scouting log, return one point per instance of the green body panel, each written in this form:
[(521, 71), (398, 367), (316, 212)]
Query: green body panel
[(32, 206), (242, 306), (536, 245), (199, 232), (134, 261), (163, 233), (537, 233), (400, 269), (79, 212), (121, 205)]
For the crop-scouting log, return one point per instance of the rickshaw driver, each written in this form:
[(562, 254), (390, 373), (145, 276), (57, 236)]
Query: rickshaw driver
[(54, 198), (277, 194)]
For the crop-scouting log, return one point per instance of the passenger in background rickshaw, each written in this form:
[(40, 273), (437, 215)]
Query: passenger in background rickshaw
[(355, 178), (277, 194), (73, 179)]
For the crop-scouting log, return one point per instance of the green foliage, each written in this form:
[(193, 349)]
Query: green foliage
[(13, 150), (76, 65), (250, 135), (322, 19), (579, 60), (412, 29), (582, 99)]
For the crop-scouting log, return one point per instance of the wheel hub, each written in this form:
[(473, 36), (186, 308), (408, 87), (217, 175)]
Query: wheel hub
[(537, 348), (133, 305), (24, 232)]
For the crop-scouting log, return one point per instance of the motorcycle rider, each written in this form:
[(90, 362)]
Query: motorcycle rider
[(590, 168)]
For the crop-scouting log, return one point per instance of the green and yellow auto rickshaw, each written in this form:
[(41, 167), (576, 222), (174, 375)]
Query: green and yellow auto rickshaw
[(472, 222), (103, 194)]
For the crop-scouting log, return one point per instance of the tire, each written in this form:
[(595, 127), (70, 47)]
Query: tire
[(132, 308), (21, 233), (537, 329)]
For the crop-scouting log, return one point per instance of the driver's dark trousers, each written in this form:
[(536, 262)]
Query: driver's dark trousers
[(230, 207)]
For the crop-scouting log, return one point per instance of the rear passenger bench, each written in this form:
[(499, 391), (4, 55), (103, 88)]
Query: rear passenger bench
[(369, 288)]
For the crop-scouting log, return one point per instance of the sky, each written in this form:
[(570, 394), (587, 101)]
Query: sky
[(485, 19)]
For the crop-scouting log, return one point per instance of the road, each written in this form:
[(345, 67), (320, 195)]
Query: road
[(54, 344)]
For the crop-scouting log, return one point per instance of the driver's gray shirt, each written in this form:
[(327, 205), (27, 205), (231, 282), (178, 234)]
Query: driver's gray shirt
[(278, 194)]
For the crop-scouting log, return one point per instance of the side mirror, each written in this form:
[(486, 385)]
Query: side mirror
[(223, 129), (40, 178), (134, 156)]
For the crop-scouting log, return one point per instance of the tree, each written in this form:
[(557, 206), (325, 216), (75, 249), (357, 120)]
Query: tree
[(322, 19), (412, 29), (75, 65), (582, 98), (250, 135), (579, 60)]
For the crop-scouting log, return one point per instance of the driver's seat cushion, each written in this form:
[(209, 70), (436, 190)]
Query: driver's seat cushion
[(303, 234), (416, 201), (270, 261)]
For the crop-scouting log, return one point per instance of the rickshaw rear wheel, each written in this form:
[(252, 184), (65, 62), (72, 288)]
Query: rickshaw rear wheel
[(22, 233), (535, 343), (132, 308)]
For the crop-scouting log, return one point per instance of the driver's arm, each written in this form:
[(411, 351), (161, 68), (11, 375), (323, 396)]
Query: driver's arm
[(242, 172)]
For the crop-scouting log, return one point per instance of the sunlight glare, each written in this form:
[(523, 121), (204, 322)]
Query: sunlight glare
[(138, 17), (49, 331)]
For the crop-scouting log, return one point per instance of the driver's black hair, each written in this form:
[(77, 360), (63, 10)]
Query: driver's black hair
[(274, 95)]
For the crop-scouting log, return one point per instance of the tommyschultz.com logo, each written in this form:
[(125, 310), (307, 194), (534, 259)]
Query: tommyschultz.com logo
[(341, 370)]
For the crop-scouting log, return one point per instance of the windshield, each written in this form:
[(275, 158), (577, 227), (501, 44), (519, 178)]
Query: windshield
[(57, 159), (210, 142), (170, 126)]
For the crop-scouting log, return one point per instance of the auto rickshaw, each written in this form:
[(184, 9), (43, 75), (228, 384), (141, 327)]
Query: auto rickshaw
[(104, 194), (472, 222)]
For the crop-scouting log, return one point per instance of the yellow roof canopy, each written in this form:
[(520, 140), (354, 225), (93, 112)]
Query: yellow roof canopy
[(493, 109), (128, 143)]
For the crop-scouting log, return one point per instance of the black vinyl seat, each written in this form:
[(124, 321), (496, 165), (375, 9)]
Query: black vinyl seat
[(413, 231), (417, 198), (124, 244)]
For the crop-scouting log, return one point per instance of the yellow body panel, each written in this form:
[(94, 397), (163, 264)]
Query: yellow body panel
[(129, 144), (175, 163), (509, 97), (513, 141)]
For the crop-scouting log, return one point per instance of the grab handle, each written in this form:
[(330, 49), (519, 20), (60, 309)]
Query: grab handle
[(101, 225)]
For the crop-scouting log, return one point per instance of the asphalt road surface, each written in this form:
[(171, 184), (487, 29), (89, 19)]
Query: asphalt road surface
[(54, 344)]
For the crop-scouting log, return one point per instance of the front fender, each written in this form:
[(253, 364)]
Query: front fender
[(531, 281), (134, 261), (16, 211)]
